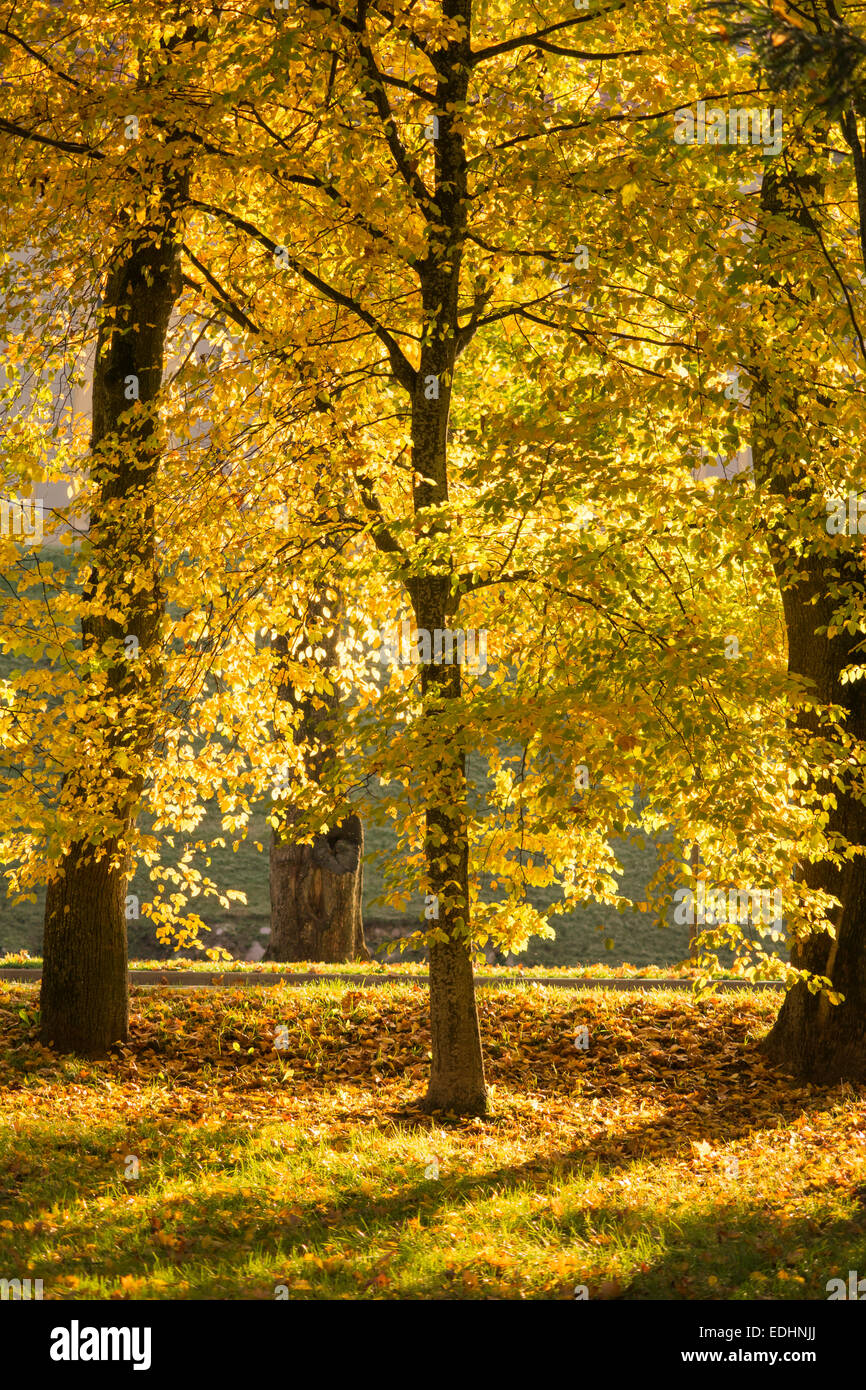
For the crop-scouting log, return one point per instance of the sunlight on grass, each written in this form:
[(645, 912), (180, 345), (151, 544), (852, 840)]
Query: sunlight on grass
[(665, 1160)]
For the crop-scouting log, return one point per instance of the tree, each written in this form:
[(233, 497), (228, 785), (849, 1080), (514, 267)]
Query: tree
[(807, 449), (84, 984), (125, 694), (453, 297), (84, 989), (419, 274)]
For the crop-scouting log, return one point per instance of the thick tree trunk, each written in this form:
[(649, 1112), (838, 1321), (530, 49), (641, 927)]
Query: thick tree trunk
[(317, 889), (317, 897), (84, 976), (811, 1037), (84, 981)]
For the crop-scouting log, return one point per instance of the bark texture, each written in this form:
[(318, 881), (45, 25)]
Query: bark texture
[(457, 1082), (317, 889), (317, 896), (84, 978), (811, 1037)]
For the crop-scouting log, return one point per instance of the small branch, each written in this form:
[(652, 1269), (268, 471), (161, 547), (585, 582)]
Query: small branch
[(383, 537), (64, 77), (402, 368), (813, 225), (234, 311), (378, 99), (70, 146)]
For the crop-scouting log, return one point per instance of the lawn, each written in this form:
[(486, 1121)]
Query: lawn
[(580, 935), (162, 970), (665, 1160)]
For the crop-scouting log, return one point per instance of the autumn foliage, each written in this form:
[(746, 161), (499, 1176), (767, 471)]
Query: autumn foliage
[(420, 313)]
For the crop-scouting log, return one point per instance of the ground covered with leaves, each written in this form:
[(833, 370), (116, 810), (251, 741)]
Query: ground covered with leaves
[(276, 1149)]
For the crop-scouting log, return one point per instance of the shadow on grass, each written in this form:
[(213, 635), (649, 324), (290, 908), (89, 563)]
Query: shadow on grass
[(251, 1213), (666, 1254)]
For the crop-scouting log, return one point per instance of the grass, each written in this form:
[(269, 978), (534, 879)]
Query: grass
[(685, 970), (580, 935), (665, 1161)]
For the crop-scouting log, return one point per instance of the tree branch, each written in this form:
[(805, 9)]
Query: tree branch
[(402, 368), (378, 99), (312, 181), (70, 146), (64, 77), (234, 311), (467, 332), (383, 537), (532, 40), (813, 225), (613, 120)]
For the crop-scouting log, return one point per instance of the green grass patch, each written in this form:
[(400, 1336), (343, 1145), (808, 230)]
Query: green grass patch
[(685, 970)]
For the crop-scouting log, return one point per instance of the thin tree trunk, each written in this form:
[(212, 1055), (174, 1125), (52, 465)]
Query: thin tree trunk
[(694, 927), (457, 1082), (84, 976)]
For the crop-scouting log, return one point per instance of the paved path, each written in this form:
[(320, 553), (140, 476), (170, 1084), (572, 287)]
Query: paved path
[(190, 979)]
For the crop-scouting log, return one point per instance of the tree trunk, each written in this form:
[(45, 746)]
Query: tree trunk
[(84, 974), (694, 927), (457, 1082), (317, 896), (811, 1037), (84, 998), (317, 889)]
